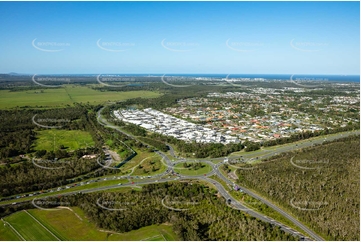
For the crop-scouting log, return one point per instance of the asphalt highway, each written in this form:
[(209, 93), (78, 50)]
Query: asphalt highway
[(231, 201)]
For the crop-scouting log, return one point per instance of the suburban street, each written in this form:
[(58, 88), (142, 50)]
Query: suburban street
[(215, 165)]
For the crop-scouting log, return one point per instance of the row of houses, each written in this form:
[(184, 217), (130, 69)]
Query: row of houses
[(165, 124)]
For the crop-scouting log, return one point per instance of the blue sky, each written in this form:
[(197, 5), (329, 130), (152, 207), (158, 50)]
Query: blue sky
[(180, 37)]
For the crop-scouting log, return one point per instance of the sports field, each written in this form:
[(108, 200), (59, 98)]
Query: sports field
[(71, 224), (71, 139), (28, 227), (7, 233), (67, 95)]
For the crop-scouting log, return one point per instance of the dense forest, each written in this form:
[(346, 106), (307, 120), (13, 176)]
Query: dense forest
[(19, 126), (18, 133), (319, 185), (207, 218)]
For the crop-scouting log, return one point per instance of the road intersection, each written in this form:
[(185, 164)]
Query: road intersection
[(215, 165)]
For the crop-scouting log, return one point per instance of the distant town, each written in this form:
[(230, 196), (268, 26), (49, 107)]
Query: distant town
[(165, 124), (258, 115)]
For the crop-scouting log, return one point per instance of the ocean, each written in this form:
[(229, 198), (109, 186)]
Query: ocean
[(331, 78)]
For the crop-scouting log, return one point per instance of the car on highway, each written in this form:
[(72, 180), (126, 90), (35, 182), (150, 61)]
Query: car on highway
[(119, 184)]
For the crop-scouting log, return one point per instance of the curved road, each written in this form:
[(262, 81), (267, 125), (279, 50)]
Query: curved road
[(226, 195), (264, 153)]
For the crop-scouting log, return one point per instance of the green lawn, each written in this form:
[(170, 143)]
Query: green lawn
[(147, 166), (144, 158), (71, 139), (6, 233), (192, 172), (141, 156), (67, 95), (28, 227), (70, 227), (155, 238)]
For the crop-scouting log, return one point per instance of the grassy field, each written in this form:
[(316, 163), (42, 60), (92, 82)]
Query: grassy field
[(67, 95), (144, 158), (154, 161), (71, 139), (191, 172), (66, 225), (141, 156), (6, 233), (28, 227)]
